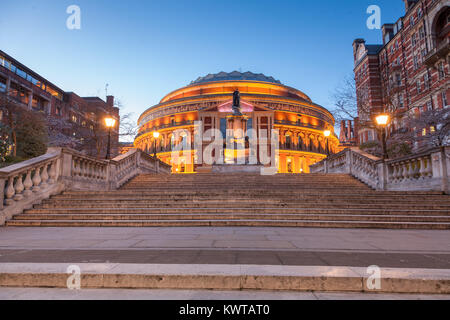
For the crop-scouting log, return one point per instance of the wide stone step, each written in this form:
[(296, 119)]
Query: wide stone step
[(332, 193), (229, 223), (224, 216), (317, 210), (230, 203)]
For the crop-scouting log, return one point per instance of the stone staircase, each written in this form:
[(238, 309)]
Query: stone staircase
[(250, 200)]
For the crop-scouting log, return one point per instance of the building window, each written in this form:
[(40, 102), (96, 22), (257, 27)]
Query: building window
[(429, 105), (419, 13), (422, 32), (441, 70), (416, 63), (426, 81), (418, 85), (58, 111), (444, 99), (411, 21), (413, 40), (74, 119), (398, 78), (401, 101), (424, 132)]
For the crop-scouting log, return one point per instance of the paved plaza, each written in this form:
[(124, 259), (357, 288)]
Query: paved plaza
[(267, 246)]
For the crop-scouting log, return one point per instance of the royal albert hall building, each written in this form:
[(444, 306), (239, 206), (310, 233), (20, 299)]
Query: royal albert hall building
[(266, 104)]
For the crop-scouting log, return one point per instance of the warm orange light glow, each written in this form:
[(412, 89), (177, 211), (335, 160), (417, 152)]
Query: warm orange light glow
[(156, 134), (327, 133), (382, 119), (110, 122)]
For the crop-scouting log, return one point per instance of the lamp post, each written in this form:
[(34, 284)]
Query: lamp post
[(110, 123), (327, 134), (155, 136), (382, 121)]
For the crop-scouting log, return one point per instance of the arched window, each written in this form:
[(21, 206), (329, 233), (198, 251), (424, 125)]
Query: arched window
[(288, 141)]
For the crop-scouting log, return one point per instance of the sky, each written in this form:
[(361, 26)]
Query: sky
[(145, 49)]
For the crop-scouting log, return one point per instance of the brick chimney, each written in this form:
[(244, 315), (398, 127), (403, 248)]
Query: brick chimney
[(110, 101), (409, 4), (356, 44)]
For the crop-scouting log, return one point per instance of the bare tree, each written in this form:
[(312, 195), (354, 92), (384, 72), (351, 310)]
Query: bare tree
[(60, 133), (350, 103), (427, 130), (128, 127)]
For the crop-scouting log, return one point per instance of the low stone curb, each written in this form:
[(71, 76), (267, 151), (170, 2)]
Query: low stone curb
[(226, 277)]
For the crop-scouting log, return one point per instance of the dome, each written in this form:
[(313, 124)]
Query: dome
[(235, 76)]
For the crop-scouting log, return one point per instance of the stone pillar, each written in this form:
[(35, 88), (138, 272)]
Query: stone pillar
[(382, 170), (156, 165), (297, 165), (30, 100), (66, 167), (349, 161), (283, 164), (8, 85)]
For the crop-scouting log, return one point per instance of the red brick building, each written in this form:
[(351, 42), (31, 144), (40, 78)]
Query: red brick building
[(408, 73), (73, 120)]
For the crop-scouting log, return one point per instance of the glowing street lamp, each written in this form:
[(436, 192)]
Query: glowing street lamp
[(110, 123), (382, 121), (156, 136), (327, 134)]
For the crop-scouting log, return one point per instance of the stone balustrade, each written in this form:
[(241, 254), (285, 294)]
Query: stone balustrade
[(27, 183), (427, 171)]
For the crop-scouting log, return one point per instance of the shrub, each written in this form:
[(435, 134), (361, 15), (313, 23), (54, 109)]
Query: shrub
[(32, 135)]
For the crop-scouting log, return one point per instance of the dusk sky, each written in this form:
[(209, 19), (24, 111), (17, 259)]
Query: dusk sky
[(146, 49)]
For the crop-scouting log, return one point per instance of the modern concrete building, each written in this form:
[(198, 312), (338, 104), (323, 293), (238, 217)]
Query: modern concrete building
[(71, 117)]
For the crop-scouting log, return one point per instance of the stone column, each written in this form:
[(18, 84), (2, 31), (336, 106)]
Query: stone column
[(30, 100), (283, 164), (8, 85), (297, 165), (382, 170)]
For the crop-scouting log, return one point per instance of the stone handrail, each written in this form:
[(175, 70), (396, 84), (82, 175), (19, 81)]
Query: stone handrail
[(27, 183), (426, 171)]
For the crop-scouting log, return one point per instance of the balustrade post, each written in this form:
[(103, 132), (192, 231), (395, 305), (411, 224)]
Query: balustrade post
[(9, 191), (382, 170), (349, 161), (67, 167), (111, 172), (19, 188), (28, 184)]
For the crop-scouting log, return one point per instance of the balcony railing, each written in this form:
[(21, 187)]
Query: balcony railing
[(298, 124), (304, 148), (165, 126), (440, 51)]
